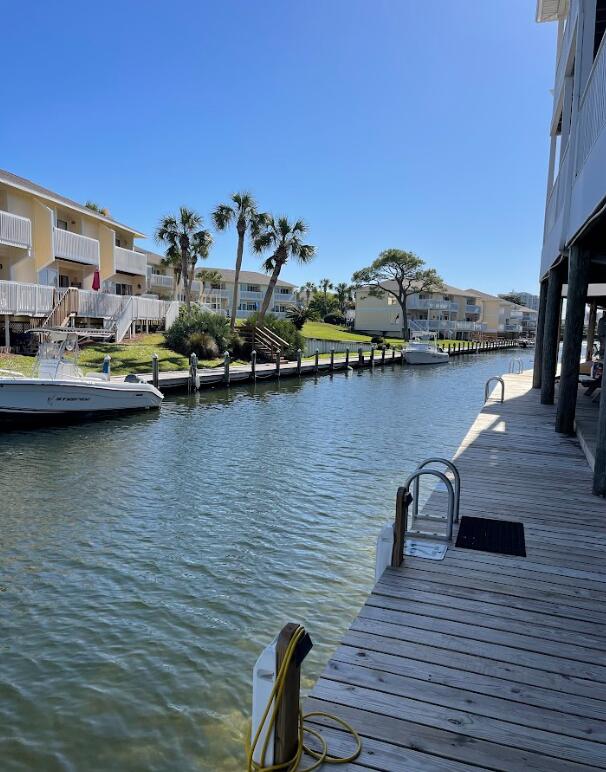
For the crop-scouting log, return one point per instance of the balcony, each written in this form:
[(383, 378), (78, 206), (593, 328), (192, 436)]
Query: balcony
[(129, 261), (159, 280), (472, 309), (26, 299), (283, 297), (250, 295), (15, 231), (434, 303), (73, 246)]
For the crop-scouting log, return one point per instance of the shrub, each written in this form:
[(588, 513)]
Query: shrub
[(334, 318), (377, 339), (238, 347), (286, 330), (196, 320), (202, 345), (298, 315)]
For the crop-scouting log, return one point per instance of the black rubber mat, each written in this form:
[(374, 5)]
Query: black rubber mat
[(500, 536)]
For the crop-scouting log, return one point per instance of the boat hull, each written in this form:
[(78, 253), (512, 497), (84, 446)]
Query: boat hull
[(425, 357), (40, 397)]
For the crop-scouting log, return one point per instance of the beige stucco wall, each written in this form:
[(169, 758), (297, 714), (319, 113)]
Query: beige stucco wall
[(42, 235), (107, 240)]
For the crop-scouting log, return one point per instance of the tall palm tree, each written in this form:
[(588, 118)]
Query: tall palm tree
[(325, 285), (309, 288), (242, 211), (343, 295), (284, 238), (186, 242)]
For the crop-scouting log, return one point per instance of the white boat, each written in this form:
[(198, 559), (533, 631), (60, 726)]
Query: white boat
[(423, 350), (60, 388)]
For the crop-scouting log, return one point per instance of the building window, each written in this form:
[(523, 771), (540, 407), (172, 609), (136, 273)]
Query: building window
[(279, 309), (283, 291), (63, 280), (250, 287), (391, 301), (124, 289), (247, 306), (62, 224)]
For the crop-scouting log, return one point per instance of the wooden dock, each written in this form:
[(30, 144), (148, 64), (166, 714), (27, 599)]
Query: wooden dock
[(484, 661), (216, 376)]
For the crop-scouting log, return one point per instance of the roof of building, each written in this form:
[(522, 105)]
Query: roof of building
[(254, 277), (31, 187)]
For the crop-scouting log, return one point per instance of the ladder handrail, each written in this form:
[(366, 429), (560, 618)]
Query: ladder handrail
[(516, 362), (457, 486), (451, 496), (487, 386)]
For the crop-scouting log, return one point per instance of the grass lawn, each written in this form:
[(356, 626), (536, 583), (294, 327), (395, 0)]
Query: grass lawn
[(131, 356), (323, 331)]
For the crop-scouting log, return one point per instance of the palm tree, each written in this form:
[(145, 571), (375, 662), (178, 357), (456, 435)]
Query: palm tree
[(208, 277), (309, 288), (298, 315), (186, 242), (343, 295), (325, 285), (284, 238), (244, 213)]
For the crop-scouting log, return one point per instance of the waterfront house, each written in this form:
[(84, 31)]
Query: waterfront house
[(450, 313), (573, 260), (54, 254)]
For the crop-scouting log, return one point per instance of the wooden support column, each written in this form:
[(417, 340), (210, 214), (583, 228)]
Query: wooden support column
[(576, 299), (593, 315), (551, 335), (538, 344), (599, 469)]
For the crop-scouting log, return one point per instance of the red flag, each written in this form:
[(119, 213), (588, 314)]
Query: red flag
[(96, 281)]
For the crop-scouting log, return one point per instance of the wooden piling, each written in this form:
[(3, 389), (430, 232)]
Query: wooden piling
[(551, 335), (332, 360), (299, 363), (278, 356), (286, 737), (593, 313), (155, 371), (317, 361), (346, 358), (226, 368), (253, 364), (578, 277)]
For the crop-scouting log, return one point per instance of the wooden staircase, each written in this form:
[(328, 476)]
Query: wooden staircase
[(66, 307), (264, 341)]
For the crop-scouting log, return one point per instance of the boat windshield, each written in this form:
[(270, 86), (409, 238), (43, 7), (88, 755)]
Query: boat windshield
[(58, 356)]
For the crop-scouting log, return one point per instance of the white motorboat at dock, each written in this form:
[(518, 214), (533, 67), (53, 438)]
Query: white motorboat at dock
[(60, 388), (424, 350)]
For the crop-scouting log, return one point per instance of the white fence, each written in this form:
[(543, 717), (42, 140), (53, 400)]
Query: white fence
[(592, 110), (100, 304), (27, 299), (338, 346), (73, 246), (15, 230)]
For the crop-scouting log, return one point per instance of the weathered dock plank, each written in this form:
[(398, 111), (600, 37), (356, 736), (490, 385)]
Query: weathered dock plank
[(483, 660)]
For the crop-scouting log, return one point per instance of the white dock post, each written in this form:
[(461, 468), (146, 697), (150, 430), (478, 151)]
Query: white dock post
[(107, 366)]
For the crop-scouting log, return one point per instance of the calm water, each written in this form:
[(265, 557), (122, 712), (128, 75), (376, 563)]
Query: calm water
[(146, 561)]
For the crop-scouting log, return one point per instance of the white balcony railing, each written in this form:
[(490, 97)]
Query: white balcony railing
[(440, 305), (159, 280), (592, 109), (129, 261), (470, 308), (15, 231), (26, 299), (100, 304), (283, 297), (249, 295), (445, 325), (73, 246)]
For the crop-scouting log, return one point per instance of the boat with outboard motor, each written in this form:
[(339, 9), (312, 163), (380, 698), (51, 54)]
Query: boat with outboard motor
[(424, 350), (59, 387)]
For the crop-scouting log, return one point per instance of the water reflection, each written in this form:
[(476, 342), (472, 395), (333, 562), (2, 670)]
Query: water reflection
[(145, 561)]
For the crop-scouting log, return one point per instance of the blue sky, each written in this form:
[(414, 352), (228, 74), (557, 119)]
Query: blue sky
[(380, 122)]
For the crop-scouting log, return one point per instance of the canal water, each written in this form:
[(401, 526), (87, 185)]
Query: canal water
[(145, 561)]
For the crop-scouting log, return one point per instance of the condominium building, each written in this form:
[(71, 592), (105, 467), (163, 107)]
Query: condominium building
[(48, 239), (450, 313), (218, 295)]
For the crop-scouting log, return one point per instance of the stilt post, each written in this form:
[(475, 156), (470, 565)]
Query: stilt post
[(253, 364), (155, 371), (551, 335), (593, 314), (578, 275)]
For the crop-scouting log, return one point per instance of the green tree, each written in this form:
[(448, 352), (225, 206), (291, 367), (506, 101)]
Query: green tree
[(242, 211), (284, 238), (96, 208), (404, 269), (343, 295), (512, 297), (298, 315), (208, 277), (309, 288), (186, 242), (325, 285)]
